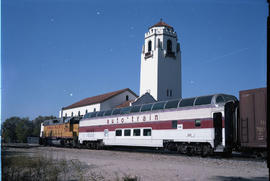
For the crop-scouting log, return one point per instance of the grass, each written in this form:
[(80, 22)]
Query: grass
[(26, 168)]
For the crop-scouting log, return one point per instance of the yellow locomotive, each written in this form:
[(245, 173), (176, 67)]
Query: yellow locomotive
[(62, 132)]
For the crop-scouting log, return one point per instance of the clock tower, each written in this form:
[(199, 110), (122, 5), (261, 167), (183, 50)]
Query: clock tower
[(161, 63)]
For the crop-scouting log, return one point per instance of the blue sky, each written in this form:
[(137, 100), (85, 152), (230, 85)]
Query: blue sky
[(56, 52)]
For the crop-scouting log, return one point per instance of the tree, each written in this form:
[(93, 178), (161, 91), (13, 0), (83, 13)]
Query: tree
[(8, 129), (18, 129), (23, 129)]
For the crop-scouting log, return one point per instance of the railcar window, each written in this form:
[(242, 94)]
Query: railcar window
[(116, 111), (137, 132), (93, 114), (203, 100), (174, 124), (108, 113), (186, 102), (158, 105), (172, 104), (146, 132), (135, 109), (146, 107), (229, 98), (86, 115), (118, 133), (220, 99), (125, 110), (100, 113), (197, 122), (127, 132)]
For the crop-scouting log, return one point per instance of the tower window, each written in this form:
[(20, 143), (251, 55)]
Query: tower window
[(127, 98), (159, 43), (149, 46), (169, 92), (169, 46)]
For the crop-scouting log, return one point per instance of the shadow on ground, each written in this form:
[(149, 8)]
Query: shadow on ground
[(229, 178)]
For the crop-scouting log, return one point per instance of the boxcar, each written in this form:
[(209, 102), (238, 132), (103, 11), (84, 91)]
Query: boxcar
[(252, 122)]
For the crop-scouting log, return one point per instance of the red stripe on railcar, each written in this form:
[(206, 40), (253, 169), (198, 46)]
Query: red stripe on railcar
[(157, 125)]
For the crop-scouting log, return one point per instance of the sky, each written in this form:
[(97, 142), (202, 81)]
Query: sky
[(57, 52)]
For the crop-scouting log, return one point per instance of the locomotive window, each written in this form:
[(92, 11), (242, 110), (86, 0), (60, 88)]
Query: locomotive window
[(136, 132), (93, 114), (127, 132), (118, 133), (125, 110), (203, 100), (135, 109), (158, 105), (100, 113), (186, 102), (220, 99), (172, 104), (108, 113), (116, 111), (174, 124), (197, 122), (146, 132), (146, 107)]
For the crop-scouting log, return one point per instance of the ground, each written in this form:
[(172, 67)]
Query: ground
[(112, 164)]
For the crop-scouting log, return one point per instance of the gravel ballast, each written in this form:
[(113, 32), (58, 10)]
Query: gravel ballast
[(152, 166)]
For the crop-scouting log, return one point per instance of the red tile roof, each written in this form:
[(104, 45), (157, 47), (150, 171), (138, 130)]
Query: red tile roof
[(97, 99), (161, 23), (124, 104)]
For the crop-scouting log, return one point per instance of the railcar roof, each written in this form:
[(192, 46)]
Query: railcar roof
[(214, 99)]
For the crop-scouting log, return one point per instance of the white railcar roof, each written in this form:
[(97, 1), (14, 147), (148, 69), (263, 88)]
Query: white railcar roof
[(208, 100)]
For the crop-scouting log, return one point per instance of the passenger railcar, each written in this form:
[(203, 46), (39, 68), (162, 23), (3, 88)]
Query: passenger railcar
[(199, 125)]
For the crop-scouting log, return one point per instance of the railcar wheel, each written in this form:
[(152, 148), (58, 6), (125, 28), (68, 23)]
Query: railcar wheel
[(189, 151), (205, 150)]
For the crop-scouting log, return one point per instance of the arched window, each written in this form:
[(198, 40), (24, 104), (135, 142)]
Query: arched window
[(65, 114), (79, 113), (94, 110), (159, 43), (169, 46), (72, 114), (149, 46), (86, 111)]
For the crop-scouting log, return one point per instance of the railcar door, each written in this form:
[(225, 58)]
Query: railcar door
[(217, 119)]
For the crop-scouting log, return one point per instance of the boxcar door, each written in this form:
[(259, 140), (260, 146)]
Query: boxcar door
[(217, 119)]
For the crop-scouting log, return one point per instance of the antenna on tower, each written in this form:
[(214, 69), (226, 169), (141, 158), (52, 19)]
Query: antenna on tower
[(160, 19)]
